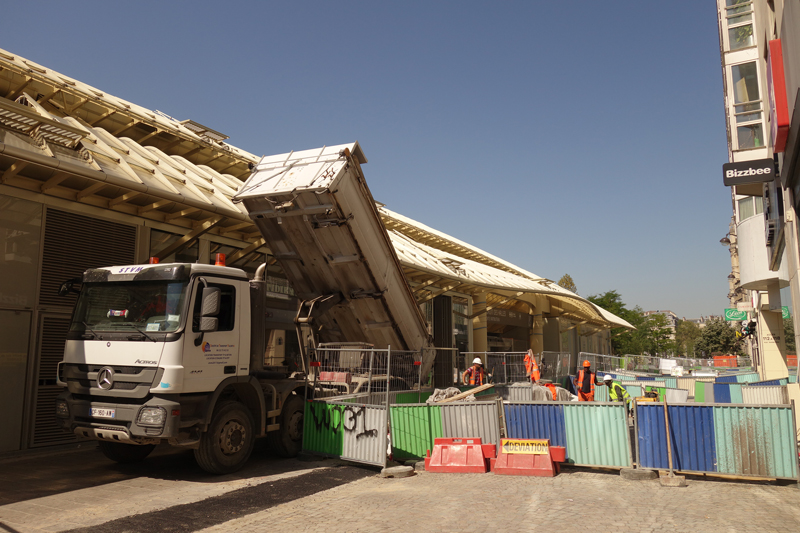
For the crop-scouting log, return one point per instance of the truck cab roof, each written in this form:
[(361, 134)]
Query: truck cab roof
[(162, 271)]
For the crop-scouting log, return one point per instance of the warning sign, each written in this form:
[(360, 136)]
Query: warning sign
[(525, 446)]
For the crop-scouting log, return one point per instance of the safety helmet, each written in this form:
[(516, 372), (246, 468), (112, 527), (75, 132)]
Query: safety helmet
[(587, 363), (606, 378), (477, 360)]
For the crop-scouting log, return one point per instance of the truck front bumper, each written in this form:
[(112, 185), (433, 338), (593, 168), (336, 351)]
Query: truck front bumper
[(147, 423)]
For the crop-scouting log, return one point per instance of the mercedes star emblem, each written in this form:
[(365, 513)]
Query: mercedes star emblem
[(105, 378)]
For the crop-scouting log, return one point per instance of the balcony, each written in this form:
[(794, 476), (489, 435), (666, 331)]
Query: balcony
[(754, 271)]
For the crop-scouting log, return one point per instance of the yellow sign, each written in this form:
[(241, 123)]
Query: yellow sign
[(526, 446)]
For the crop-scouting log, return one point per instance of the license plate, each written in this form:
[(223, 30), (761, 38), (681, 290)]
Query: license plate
[(103, 413)]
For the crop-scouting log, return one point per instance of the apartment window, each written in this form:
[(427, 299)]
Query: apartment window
[(747, 111), (739, 19), (750, 207)]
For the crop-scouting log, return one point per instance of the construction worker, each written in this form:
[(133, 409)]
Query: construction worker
[(584, 383), (617, 392), (531, 368), (475, 373)]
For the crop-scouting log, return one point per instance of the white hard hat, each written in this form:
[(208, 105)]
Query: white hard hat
[(477, 360), (607, 378)]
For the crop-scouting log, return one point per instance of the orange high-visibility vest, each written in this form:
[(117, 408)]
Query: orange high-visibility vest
[(552, 390), (531, 368), (579, 381), (475, 376)]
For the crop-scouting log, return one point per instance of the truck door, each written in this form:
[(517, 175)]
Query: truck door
[(210, 357)]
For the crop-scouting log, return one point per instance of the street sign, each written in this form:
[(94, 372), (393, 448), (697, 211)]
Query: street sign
[(732, 315), (785, 312), (744, 306), (744, 172)]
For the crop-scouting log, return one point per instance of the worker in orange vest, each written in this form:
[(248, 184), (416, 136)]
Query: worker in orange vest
[(531, 368), (475, 373), (584, 383)]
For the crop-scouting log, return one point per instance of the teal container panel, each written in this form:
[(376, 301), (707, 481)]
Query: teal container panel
[(736, 393), (755, 441), (601, 393), (623, 377), (748, 377), (597, 434), (322, 428), (699, 392), (413, 429), (671, 383), (634, 390), (793, 379)]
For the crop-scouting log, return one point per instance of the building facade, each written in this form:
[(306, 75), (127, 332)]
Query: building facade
[(760, 57)]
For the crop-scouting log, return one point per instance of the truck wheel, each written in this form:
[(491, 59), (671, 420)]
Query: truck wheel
[(288, 441), (227, 444), (125, 453)]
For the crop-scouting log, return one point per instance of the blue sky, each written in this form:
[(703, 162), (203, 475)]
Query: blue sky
[(566, 137)]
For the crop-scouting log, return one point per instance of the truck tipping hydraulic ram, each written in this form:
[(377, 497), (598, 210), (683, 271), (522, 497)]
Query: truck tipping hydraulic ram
[(175, 352)]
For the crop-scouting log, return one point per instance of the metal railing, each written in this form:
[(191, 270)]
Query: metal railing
[(509, 367)]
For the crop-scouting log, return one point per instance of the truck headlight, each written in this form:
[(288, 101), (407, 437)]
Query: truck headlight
[(152, 416), (62, 409)]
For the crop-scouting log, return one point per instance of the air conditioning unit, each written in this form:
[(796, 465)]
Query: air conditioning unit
[(771, 229)]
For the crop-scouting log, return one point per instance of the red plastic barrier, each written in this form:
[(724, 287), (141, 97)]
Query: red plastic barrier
[(458, 455), (339, 377), (528, 457)]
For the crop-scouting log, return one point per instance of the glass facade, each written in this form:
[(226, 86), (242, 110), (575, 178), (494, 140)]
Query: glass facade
[(739, 19), (748, 108), (750, 207)]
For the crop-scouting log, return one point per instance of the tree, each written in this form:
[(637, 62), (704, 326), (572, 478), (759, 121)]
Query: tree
[(686, 335), (788, 334), (657, 334), (623, 340), (567, 283), (717, 336)]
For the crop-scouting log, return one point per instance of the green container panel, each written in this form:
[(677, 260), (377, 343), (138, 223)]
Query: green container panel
[(699, 392), (413, 429), (412, 397), (322, 428), (597, 434), (755, 441), (662, 391)]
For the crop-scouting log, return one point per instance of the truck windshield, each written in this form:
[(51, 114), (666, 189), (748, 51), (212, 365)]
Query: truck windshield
[(149, 306)]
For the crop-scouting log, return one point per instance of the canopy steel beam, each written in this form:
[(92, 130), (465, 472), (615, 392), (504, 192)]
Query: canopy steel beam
[(187, 240)]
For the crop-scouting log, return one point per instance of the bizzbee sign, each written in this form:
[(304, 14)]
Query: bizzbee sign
[(744, 172)]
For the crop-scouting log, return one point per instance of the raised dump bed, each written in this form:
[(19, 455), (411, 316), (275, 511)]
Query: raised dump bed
[(318, 217)]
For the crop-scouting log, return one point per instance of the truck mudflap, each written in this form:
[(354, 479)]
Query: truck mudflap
[(146, 423), (317, 215)]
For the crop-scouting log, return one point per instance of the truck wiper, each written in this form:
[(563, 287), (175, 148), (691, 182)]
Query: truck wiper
[(134, 326), (90, 329)]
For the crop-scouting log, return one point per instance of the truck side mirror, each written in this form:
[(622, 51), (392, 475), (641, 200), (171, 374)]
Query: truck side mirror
[(208, 323), (211, 302), (69, 286)]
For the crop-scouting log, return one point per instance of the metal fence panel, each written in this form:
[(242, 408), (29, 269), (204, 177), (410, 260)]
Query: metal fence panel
[(677, 395), (347, 430), (536, 421), (756, 441), (364, 438), (634, 390), (601, 394), (413, 428), (766, 395), (471, 420), (514, 393), (692, 437), (597, 434)]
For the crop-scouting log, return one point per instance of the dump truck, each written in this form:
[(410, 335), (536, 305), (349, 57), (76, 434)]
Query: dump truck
[(175, 352)]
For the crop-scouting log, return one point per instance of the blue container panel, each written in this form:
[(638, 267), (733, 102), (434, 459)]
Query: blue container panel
[(645, 378), (781, 381), (722, 393), (691, 437), (536, 421), (726, 379)]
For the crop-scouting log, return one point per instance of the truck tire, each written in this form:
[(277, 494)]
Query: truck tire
[(227, 444), (288, 440), (125, 453)]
